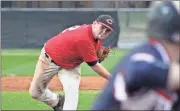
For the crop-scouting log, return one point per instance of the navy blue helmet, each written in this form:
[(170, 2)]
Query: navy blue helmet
[(164, 21)]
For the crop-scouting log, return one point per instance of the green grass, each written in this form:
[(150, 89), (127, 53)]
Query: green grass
[(22, 62), (18, 65), (23, 101)]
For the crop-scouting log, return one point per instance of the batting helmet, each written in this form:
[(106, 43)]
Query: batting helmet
[(164, 21)]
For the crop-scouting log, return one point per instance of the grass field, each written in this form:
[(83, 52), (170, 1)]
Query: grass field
[(22, 101), (22, 63)]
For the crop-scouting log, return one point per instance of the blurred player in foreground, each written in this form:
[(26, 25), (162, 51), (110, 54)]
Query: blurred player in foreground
[(148, 78), (63, 55)]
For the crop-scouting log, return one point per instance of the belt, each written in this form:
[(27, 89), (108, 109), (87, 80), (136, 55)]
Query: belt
[(49, 58)]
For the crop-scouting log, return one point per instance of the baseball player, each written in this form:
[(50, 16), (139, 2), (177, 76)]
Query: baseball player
[(148, 77), (62, 55)]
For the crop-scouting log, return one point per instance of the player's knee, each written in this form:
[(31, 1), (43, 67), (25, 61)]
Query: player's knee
[(33, 93)]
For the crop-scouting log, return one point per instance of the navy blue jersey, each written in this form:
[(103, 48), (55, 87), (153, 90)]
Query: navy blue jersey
[(139, 81)]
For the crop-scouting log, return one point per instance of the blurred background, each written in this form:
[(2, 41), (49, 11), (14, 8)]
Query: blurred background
[(29, 24), (76, 4)]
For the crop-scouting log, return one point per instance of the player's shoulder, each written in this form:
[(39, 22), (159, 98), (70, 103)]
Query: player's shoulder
[(84, 29), (79, 29), (143, 53), (76, 31), (76, 28), (85, 33)]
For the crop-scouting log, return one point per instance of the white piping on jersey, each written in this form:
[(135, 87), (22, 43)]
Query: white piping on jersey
[(177, 5), (150, 58), (161, 49), (143, 57)]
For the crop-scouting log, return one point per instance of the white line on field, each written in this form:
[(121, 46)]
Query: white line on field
[(19, 54)]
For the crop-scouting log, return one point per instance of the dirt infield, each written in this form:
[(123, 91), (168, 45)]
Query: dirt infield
[(22, 83)]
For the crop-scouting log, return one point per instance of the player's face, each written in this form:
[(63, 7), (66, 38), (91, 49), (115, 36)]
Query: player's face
[(101, 31)]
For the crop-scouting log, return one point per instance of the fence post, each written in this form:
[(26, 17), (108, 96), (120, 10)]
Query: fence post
[(127, 19)]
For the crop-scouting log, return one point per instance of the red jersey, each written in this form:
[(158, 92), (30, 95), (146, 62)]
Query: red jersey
[(73, 46)]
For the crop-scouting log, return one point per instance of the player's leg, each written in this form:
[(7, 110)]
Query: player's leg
[(70, 79), (44, 72)]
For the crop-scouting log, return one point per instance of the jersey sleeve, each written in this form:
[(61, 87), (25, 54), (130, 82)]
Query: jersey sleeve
[(87, 50)]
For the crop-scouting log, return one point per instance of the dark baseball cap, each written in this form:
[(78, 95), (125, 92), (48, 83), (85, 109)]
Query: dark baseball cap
[(107, 21)]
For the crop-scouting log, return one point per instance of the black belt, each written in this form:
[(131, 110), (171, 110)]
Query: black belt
[(49, 58)]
